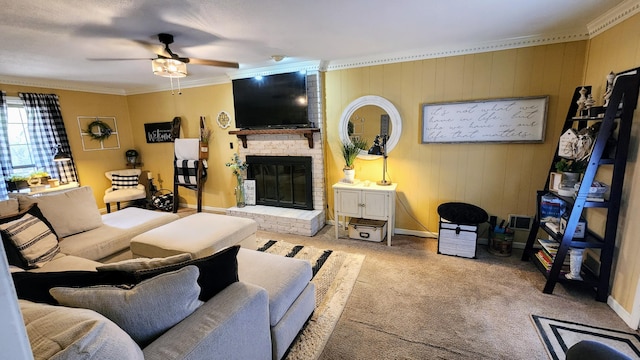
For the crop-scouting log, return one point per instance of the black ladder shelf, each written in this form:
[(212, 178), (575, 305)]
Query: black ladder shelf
[(619, 111)]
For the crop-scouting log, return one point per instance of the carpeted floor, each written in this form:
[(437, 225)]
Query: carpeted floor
[(334, 274), (408, 302)]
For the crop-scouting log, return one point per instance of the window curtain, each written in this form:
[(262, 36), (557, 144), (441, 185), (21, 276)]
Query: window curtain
[(46, 131), (5, 157)]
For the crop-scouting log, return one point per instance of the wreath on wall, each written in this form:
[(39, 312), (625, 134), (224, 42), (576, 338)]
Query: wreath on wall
[(98, 130)]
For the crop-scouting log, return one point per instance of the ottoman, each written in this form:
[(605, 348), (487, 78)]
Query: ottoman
[(292, 295), (200, 234)]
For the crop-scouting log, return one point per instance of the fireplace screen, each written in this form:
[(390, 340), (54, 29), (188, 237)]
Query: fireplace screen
[(282, 181)]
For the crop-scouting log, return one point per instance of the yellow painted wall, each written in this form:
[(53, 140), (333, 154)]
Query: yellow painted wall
[(207, 101), (500, 178), (618, 49), (91, 165)]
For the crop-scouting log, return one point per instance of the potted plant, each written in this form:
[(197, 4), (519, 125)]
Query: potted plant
[(39, 178), (350, 151), (17, 182), (571, 170)]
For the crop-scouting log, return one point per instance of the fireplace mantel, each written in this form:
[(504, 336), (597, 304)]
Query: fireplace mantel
[(306, 132)]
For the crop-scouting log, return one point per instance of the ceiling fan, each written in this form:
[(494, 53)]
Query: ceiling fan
[(166, 53)]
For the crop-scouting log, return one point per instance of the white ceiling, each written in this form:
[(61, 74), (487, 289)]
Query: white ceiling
[(50, 42)]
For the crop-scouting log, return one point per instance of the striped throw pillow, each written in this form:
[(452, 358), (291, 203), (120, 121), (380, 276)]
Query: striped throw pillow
[(33, 238), (123, 181)]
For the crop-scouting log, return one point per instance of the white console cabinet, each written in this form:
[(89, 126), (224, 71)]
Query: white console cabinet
[(367, 201)]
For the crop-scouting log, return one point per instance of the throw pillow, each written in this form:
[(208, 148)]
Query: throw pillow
[(124, 181), (35, 286), (131, 265), (69, 212), (217, 271), (145, 311), (57, 332), (32, 237)]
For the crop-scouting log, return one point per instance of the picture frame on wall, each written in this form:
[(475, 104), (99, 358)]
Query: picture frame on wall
[(160, 132), (508, 120)]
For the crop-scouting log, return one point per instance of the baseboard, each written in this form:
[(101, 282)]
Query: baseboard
[(622, 313), (424, 234), (207, 208)]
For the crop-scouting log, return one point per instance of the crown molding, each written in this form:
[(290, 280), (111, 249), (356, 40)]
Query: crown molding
[(613, 17), (456, 50)]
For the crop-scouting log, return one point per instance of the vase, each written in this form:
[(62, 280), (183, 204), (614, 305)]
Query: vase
[(240, 199), (575, 264), (568, 182), (349, 175), (204, 150), (569, 179)]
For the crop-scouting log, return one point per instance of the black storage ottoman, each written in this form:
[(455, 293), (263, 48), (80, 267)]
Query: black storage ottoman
[(458, 232)]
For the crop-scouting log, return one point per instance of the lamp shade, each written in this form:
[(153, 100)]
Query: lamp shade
[(61, 155), (169, 68)]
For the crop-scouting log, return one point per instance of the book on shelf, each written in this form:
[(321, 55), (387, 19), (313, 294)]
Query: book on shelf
[(549, 251), (547, 262), (551, 246)]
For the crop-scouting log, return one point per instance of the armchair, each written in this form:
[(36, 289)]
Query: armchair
[(125, 186)]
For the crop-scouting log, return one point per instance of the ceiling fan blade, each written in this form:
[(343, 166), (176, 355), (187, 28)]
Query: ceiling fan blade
[(154, 48), (117, 59), (213, 63)]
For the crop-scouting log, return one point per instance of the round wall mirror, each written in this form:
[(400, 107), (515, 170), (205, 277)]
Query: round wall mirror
[(361, 119)]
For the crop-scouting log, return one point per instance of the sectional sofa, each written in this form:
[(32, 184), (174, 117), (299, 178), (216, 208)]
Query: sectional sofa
[(255, 312)]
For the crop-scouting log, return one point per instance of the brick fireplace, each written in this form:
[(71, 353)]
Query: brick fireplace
[(289, 220)]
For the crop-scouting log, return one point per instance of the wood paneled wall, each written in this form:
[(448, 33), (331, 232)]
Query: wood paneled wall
[(500, 178), (618, 49)]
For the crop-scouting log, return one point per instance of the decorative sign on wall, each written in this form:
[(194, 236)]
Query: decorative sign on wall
[(98, 133), (250, 192), (497, 120), (158, 132)]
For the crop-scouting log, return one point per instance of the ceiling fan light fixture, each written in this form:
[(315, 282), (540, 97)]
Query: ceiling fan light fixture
[(171, 68)]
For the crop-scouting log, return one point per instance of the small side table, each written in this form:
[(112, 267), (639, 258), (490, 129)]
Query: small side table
[(365, 200)]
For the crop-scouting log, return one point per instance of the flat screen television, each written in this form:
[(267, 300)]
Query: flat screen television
[(276, 101)]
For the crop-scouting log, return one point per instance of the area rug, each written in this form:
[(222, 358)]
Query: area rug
[(334, 274), (559, 335)]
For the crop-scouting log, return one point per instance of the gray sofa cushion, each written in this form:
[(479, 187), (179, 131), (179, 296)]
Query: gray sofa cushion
[(115, 234), (62, 333), (131, 265), (234, 324), (284, 278), (69, 212), (9, 207), (144, 311)]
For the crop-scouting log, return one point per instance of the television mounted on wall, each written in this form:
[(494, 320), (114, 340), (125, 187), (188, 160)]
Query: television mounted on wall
[(276, 101)]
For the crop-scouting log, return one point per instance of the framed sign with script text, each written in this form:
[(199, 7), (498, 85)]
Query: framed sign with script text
[(497, 120), (250, 192), (158, 132)]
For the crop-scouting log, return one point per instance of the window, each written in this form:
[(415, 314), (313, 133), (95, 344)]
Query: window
[(18, 136)]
